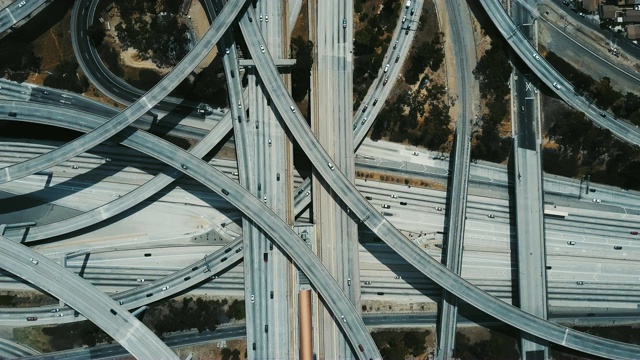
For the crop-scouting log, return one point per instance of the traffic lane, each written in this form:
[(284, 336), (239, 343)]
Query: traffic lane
[(90, 123), (374, 221), (134, 111), (85, 298), (113, 351)]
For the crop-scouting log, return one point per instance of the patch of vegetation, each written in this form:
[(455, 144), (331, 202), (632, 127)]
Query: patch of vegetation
[(585, 149), (146, 79), (626, 106), (371, 42), (69, 336), (111, 59), (498, 346), (399, 121), (493, 72), (154, 30), (228, 354), (175, 315), (210, 85), (66, 77), (17, 60), (302, 51), (237, 310), (625, 334), (429, 54), (400, 344), (96, 33), (7, 300)]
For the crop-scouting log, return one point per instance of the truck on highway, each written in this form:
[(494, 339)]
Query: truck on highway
[(408, 4)]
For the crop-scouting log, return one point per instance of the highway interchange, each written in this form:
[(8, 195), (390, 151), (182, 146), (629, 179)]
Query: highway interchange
[(268, 224)]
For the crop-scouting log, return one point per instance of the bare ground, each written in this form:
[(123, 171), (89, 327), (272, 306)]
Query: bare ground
[(379, 177)]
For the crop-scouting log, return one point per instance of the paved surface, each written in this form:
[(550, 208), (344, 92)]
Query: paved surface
[(14, 13), (331, 119), (100, 76), (136, 110), (549, 76), (459, 176), (86, 299), (532, 279), (287, 240)]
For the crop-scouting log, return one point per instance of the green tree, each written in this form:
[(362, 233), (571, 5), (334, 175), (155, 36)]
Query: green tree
[(96, 33), (302, 51)]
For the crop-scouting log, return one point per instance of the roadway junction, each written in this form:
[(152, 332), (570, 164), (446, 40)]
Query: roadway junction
[(233, 194)]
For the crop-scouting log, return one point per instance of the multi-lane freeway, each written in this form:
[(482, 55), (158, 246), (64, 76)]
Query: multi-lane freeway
[(262, 148)]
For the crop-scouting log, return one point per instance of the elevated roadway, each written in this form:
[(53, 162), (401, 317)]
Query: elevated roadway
[(101, 77), (228, 332), (12, 350), (527, 163), (85, 298), (331, 95), (268, 280), (85, 122), (459, 176), (549, 76), (134, 111), (376, 222), (14, 13), (400, 45)]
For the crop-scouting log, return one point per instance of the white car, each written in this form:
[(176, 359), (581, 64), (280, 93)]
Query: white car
[(394, 196), (165, 288), (536, 56), (438, 208), (22, 3), (597, 200), (34, 261), (262, 48), (253, 299)]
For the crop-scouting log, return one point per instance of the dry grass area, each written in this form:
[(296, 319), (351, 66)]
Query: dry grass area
[(301, 27), (52, 47), (209, 351), (381, 177), (475, 334), (33, 337), (200, 23), (24, 299), (377, 306), (371, 8)]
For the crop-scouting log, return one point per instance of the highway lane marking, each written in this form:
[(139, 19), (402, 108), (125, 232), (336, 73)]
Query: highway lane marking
[(566, 331), (13, 20)]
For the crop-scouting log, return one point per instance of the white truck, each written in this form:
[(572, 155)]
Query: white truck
[(408, 4)]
